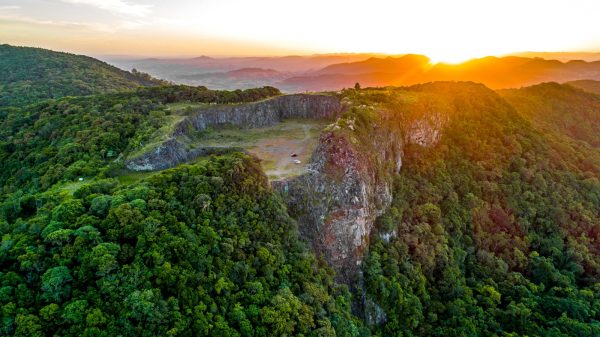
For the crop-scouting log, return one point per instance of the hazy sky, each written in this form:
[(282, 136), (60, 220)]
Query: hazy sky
[(445, 30)]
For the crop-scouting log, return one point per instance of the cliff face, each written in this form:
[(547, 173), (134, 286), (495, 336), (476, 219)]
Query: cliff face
[(349, 184), (170, 153), (265, 113), (337, 202), (166, 155)]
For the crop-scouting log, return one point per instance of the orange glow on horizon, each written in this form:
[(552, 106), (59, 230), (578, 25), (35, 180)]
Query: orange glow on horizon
[(449, 32)]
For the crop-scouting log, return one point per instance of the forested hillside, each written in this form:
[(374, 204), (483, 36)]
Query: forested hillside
[(493, 230), (202, 250), (561, 108), (31, 74), (587, 85), (205, 250), (76, 137)]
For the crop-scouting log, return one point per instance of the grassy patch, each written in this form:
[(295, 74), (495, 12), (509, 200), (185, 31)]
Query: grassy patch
[(74, 186), (130, 177), (184, 108), (232, 136)]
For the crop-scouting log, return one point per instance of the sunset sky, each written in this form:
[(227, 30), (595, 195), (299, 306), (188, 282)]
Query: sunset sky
[(444, 30)]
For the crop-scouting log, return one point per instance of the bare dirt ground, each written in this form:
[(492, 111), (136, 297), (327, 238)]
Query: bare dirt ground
[(276, 154), (273, 145)]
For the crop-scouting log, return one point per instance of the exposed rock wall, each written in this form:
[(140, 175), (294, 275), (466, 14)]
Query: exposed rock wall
[(164, 156), (349, 184), (265, 113), (169, 154), (346, 189)]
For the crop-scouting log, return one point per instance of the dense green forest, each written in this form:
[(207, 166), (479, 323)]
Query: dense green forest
[(493, 231), (201, 250), (31, 74)]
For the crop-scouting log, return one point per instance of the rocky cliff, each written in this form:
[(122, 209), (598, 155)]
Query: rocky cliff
[(176, 149), (349, 181), (262, 114), (170, 153), (337, 201)]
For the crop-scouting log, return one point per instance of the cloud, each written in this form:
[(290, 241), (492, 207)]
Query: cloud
[(9, 8), (117, 7), (72, 25), (130, 17)]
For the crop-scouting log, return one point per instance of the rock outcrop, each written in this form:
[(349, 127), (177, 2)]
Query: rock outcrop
[(170, 153), (345, 190), (349, 184), (264, 113)]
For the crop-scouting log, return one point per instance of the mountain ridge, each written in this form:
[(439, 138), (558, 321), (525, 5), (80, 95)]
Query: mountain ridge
[(322, 72)]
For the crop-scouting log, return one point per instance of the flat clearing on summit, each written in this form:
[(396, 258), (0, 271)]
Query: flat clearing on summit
[(273, 145)]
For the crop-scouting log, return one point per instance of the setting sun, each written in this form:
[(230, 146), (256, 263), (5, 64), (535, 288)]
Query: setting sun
[(447, 31), (451, 57)]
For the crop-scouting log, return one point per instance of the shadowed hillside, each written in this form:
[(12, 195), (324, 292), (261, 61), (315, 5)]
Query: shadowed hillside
[(587, 85)]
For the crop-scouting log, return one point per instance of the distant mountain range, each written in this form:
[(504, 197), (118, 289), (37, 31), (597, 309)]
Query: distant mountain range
[(24, 68), (494, 72), (334, 72), (239, 78), (562, 56), (248, 71)]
